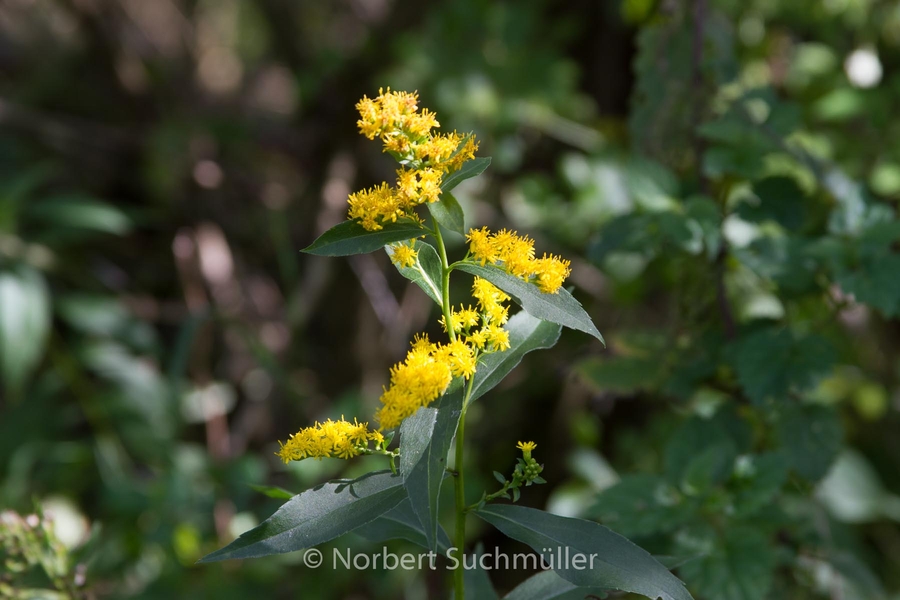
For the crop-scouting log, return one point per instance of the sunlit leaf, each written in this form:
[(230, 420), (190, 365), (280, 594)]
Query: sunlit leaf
[(350, 237)]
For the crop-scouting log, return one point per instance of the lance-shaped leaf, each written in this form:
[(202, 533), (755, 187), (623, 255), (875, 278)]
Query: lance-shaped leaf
[(526, 333), (476, 580), (317, 516), (560, 307), (401, 523), (273, 491), (350, 237), (425, 440), (586, 553), (547, 585), (427, 271), (449, 213), (470, 169), (25, 321)]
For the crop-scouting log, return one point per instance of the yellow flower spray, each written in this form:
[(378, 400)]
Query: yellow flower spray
[(431, 389), (474, 331)]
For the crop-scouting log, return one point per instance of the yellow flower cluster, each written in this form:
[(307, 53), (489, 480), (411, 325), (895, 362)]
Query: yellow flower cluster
[(406, 133), (404, 255), (483, 327), (429, 368), (422, 378), (336, 439), (515, 254)]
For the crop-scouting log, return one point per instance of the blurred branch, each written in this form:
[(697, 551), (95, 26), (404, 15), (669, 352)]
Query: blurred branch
[(698, 39), (375, 285)]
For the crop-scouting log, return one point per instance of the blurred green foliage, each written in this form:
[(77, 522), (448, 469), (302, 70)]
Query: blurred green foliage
[(727, 170)]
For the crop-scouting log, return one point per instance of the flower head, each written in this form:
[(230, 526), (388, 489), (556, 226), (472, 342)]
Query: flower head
[(336, 439), (406, 132), (515, 255), (481, 246), (376, 206), (550, 272), (416, 382), (404, 255), (526, 446)]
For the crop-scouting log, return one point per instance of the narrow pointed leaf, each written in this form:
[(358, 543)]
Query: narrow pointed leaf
[(449, 213), (350, 237), (425, 440), (317, 516), (25, 319), (401, 523), (426, 273), (560, 307), (477, 581), (273, 491), (470, 169), (618, 563), (547, 585), (526, 333)]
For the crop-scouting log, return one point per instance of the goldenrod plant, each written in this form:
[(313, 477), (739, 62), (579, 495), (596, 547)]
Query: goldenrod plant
[(431, 390)]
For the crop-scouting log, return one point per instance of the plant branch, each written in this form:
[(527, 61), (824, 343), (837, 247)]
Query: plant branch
[(445, 280)]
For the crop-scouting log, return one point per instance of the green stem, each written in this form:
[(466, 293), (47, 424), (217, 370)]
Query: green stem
[(460, 489), (502, 491), (459, 480), (445, 280)]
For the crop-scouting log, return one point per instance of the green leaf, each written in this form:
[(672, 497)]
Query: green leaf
[(317, 516), (526, 333), (739, 566), (623, 374), (547, 585), (425, 440), (810, 437), (874, 281), (642, 505), (773, 361), (559, 308), (779, 199), (477, 582), (401, 523), (470, 169), (760, 478), (24, 324), (449, 213), (618, 563), (686, 460), (80, 212), (426, 273), (708, 468), (273, 491), (856, 573), (350, 237)]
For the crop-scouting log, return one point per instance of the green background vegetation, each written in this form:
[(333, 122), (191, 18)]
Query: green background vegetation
[(723, 174)]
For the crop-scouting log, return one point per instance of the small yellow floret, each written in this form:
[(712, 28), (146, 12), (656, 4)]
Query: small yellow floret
[(404, 255), (523, 446), (376, 206), (481, 246), (551, 272), (497, 337)]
